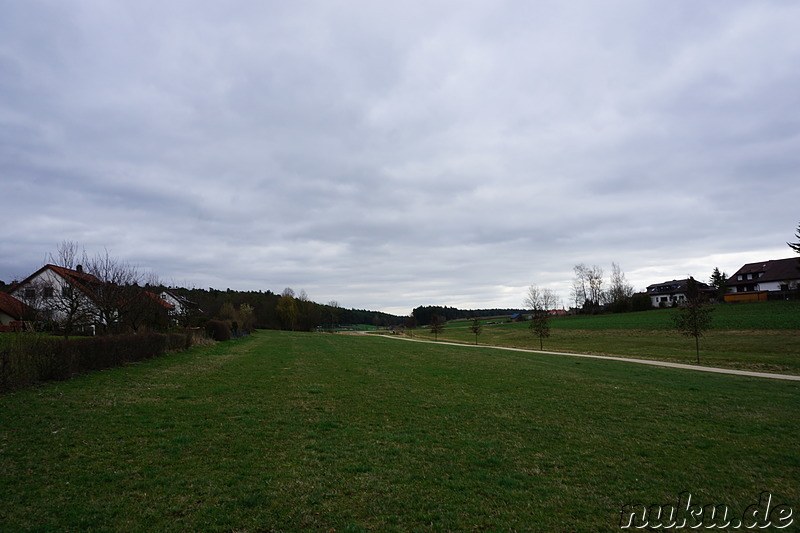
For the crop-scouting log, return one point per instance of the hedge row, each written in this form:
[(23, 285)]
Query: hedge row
[(32, 358)]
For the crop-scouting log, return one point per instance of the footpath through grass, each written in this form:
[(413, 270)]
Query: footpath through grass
[(317, 432), (763, 337)]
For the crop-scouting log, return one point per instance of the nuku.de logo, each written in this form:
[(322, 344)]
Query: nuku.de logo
[(685, 514)]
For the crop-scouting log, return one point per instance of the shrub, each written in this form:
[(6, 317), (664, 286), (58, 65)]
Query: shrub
[(218, 330), (24, 358), (31, 358)]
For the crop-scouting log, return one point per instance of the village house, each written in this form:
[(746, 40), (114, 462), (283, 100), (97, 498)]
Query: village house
[(765, 280), (669, 293), (75, 300), (61, 295), (12, 313)]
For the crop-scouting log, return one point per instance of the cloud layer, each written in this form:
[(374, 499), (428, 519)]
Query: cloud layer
[(393, 156)]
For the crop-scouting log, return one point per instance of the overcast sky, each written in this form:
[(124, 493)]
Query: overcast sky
[(394, 154)]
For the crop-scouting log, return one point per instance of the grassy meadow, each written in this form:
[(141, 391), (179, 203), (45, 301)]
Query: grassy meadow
[(763, 337), (289, 431)]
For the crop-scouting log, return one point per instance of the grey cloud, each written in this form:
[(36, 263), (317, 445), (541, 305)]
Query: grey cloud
[(390, 156)]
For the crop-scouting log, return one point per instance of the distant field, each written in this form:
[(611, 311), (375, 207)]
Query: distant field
[(761, 336), (753, 316), (317, 432)]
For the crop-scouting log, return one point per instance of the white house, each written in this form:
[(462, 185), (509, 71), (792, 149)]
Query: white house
[(755, 281), (669, 293), (177, 302), (61, 295)]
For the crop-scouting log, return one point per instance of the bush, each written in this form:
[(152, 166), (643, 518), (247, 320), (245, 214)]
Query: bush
[(31, 358), (218, 330)]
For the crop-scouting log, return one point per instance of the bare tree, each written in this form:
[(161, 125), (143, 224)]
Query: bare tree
[(540, 302), (538, 299), (580, 285), (34, 296), (333, 307), (595, 281), (119, 284), (693, 318), (620, 292), (476, 328), (437, 326), (68, 255), (410, 325), (144, 309), (69, 293), (540, 327)]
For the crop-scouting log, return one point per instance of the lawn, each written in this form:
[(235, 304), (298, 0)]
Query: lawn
[(318, 432), (762, 337)]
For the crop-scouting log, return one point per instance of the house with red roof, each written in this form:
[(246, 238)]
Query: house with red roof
[(76, 300), (12, 312), (61, 295)]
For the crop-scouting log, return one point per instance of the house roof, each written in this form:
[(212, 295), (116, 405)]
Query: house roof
[(75, 275), (13, 307), (150, 297), (159, 300), (676, 286), (79, 278), (774, 270)]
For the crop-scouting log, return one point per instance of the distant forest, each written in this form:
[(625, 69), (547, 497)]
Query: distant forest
[(424, 314), (269, 313)]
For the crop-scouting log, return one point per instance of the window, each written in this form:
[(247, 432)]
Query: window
[(47, 292), (30, 293)]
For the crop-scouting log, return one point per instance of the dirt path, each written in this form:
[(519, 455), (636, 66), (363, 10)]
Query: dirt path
[(682, 366)]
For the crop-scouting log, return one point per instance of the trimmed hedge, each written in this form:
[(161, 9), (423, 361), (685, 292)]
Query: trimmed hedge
[(31, 358), (218, 330)]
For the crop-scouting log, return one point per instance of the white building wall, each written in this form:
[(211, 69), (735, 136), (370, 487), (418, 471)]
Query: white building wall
[(52, 304)]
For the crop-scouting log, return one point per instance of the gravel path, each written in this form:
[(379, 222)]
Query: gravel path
[(682, 366)]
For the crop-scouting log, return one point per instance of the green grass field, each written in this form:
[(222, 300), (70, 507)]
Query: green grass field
[(317, 432), (762, 337)]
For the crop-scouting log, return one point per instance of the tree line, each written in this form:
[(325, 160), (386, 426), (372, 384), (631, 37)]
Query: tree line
[(117, 297), (287, 310), (425, 314)]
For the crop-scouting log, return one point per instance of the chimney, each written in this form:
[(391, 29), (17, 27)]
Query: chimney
[(79, 268)]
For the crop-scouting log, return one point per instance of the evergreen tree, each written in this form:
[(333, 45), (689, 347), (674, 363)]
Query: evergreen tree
[(796, 245), (719, 281)]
